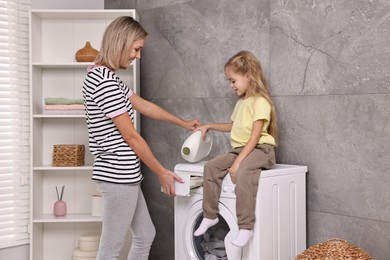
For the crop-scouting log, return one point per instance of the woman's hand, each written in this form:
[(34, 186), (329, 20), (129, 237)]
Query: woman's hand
[(167, 181), (191, 124)]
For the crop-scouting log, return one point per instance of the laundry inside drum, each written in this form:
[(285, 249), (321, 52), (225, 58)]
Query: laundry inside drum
[(211, 244)]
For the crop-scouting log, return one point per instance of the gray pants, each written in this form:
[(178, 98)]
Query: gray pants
[(247, 182), (124, 209)]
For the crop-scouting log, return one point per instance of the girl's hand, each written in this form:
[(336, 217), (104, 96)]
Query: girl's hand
[(203, 129), (232, 171), (167, 181), (191, 124)]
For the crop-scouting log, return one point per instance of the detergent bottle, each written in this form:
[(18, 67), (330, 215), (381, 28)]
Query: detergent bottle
[(195, 148)]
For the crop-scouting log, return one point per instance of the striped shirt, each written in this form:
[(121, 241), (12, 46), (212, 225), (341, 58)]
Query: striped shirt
[(105, 97)]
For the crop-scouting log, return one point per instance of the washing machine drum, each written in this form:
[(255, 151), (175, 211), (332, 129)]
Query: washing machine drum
[(215, 244)]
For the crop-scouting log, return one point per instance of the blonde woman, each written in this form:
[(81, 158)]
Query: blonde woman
[(116, 145), (253, 136)]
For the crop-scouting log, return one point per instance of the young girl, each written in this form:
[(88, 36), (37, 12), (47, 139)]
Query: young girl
[(253, 136)]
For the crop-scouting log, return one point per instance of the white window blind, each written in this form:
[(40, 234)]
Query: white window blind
[(14, 122)]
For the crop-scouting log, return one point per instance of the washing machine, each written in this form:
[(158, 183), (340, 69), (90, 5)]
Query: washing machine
[(280, 226)]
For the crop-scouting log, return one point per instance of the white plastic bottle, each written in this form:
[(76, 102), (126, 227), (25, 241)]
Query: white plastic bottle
[(195, 148)]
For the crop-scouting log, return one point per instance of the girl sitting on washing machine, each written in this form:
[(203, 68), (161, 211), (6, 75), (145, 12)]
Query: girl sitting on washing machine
[(253, 135)]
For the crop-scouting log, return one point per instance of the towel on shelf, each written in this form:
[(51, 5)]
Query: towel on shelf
[(63, 112), (65, 107), (63, 101), (60, 109)]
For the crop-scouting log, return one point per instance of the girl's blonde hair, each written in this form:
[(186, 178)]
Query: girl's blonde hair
[(245, 63), (118, 37)]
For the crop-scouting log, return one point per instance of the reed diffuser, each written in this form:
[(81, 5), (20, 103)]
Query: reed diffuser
[(59, 209)]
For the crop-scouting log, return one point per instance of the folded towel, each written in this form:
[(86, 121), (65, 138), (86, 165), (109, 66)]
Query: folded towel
[(65, 107), (63, 101), (63, 112)]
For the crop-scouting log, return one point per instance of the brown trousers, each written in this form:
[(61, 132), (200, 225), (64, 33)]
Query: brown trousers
[(247, 182)]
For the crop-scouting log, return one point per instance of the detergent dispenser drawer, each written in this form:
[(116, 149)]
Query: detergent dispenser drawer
[(190, 182), (192, 174)]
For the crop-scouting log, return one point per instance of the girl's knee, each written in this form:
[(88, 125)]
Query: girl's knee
[(207, 173), (208, 166)]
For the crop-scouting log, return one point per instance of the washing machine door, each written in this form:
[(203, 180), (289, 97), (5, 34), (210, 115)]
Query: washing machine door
[(195, 247)]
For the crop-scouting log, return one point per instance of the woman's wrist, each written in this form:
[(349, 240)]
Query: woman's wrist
[(161, 172)]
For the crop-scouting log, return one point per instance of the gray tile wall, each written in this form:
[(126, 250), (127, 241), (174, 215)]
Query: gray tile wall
[(328, 64), (329, 67)]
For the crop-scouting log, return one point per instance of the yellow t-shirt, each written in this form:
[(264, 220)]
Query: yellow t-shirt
[(244, 114)]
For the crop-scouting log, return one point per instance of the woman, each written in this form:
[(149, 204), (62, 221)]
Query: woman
[(118, 147)]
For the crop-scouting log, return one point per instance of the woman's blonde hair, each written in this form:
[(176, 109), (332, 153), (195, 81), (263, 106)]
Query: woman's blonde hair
[(245, 63), (118, 37)]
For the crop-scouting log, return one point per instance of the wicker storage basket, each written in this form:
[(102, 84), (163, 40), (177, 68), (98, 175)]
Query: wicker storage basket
[(332, 249), (68, 155)]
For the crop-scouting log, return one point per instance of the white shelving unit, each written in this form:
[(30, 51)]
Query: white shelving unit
[(55, 36)]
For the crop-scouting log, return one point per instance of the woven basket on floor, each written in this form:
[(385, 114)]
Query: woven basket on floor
[(332, 249), (68, 155)]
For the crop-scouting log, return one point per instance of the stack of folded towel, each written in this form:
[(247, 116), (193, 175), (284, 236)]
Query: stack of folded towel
[(88, 247), (64, 106)]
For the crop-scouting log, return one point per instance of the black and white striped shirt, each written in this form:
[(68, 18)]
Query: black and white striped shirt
[(105, 97)]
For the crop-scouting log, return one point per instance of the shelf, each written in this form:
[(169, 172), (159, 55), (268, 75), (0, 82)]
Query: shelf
[(52, 168), (66, 65), (69, 218), (69, 65), (58, 116), (55, 37), (81, 14)]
